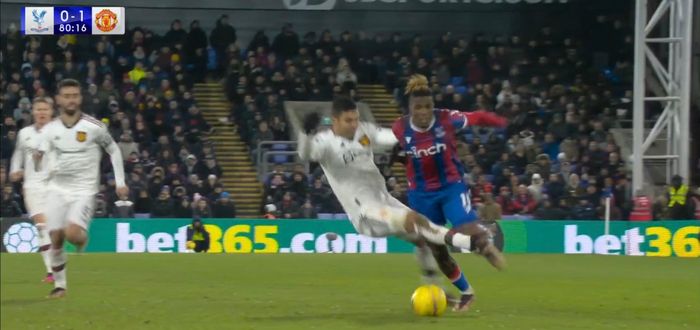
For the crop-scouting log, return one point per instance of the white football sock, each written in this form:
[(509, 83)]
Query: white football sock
[(429, 267), (44, 245), (437, 234), (58, 264)]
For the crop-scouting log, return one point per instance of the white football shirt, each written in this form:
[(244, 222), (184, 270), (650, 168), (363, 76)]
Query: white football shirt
[(75, 154), (28, 141), (349, 164)]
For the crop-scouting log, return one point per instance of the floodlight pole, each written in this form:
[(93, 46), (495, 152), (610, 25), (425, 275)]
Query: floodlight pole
[(674, 76)]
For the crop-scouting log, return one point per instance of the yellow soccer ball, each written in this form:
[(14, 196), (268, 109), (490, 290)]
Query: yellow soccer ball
[(429, 300), (190, 245)]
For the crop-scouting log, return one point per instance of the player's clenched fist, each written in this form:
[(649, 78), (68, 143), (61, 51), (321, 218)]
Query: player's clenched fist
[(16, 176), (311, 122), (123, 191)]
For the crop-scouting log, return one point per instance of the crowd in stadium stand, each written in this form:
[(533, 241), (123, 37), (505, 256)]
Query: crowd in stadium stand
[(140, 86), (556, 159)]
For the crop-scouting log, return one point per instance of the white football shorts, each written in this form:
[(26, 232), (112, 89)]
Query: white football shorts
[(63, 209)]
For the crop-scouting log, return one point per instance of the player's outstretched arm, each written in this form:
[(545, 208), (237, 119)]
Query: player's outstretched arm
[(485, 118), (310, 146), (382, 137)]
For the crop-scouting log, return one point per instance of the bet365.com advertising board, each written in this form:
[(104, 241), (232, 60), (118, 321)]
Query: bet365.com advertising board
[(656, 238)]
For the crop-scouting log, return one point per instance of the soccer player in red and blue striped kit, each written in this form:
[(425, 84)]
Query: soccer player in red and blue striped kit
[(428, 138)]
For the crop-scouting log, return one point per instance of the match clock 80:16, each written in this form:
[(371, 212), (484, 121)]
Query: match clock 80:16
[(72, 20)]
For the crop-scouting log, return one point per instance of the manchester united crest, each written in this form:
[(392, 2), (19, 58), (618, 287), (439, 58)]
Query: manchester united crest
[(364, 140), (81, 136), (106, 20)]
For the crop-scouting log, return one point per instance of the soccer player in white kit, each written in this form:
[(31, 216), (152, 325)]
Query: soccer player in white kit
[(345, 152), (34, 186), (74, 142)]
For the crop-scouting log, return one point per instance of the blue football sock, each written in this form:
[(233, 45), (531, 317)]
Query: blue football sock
[(460, 281)]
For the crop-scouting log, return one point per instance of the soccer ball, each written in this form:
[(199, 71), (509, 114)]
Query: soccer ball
[(21, 237), (429, 300), (190, 245)]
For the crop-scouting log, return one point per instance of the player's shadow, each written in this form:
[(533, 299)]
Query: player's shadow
[(374, 319), (24, 301)]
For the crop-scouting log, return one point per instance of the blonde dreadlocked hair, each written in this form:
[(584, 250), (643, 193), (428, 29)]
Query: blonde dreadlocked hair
[(418, 86)]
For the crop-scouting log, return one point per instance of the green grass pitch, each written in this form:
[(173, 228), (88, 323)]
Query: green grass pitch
[(333, 291)]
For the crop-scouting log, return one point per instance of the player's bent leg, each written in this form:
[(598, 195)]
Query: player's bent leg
[(44, 244), (433, 233), (483, 243), (426, 261), (451, 269), (58, 264), (76, 235)]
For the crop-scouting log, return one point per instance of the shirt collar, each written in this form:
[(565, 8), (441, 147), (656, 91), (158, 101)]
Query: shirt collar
[(415, 128)]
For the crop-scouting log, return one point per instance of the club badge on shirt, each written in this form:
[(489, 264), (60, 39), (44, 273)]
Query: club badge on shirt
[(364, 140), (81, 136)]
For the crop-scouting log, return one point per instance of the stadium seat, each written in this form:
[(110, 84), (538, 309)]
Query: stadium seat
[(280, 159), (461, 90), (325, 216), (280, 147), (457, 81), (340, 216)]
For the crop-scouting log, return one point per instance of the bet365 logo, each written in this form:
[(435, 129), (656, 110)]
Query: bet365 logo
[(309, 4), (650, 241)]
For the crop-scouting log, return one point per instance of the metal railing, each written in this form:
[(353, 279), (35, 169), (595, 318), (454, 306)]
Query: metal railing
[(263, 155)]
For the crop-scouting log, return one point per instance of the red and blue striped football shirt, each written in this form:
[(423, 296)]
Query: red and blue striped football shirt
[(431, 155)]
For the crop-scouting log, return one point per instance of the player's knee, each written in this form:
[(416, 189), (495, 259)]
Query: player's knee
[(76, 235), (418, 219), (39, 219), (410, 222)]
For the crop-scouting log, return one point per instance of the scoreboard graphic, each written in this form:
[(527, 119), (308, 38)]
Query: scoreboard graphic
[(73, 20)]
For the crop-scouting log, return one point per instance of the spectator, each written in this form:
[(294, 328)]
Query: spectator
[(286, 44), (308, 211), (321, 196), (196, 39), (505, 201), (574, 190), (198, 236), (202, 209), (555, 189), (289, 209), (489, 210), (8, 144), (275, 190), (143, 202), (193, 166), (679, 199), (137, 73), (536, 187), (523, 201), (270, 211), (183, 208), (213, 167), (221, 37), (123, 208), (584, 210), (210, 185), (100, 207), (10, 206), (127, 145), (224, 207), (176, 34), (163, 205), (550, 211), (299, 187)]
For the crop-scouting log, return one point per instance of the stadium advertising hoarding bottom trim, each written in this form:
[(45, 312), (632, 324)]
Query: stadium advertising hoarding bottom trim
[(656, 238)]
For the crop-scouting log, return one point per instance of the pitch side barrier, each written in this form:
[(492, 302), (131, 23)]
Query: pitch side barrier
[(654, 238)]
